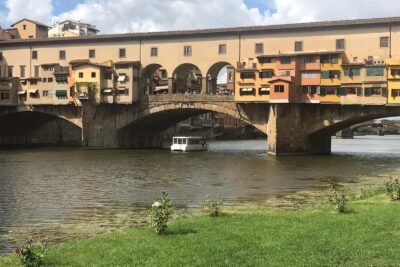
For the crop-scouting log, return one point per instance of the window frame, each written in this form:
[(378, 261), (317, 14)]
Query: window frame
[(386, 45), (343, 45), (92, 53), (122, 52), (187, 50), (34, 54), (62, 54), (259, 45), (154, 49), (298, 46), (222, 51)]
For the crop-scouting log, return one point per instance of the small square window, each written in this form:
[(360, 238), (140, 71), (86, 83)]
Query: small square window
[(80, 74), (259, 48), (50, 80), (187, 50), (62, 54), (24, 27), (154, 51), (340, 44), (93, 75), (222, 49), (384, 42), (92, 53), (34, 54), (45, 93), (298, 46), (122, 52)]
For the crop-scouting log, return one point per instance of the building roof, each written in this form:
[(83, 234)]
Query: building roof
[(219, 31), (32, 21), (91, 64), (89, 26)]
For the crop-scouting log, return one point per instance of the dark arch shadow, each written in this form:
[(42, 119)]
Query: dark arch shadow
[(30, 128), (154, 80), (187, 79), (212, 77)]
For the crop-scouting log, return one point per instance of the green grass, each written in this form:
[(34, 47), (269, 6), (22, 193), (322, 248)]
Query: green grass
[(368, 235)]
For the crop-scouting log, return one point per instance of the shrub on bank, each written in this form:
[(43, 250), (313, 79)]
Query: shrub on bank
[(31, 254), (160, 213), (393, 189), (213, 207), (337, 199)]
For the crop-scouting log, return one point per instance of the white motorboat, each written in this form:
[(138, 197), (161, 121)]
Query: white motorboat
[(189, 143)]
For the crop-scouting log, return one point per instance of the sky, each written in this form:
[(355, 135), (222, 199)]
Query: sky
[(119, 16)]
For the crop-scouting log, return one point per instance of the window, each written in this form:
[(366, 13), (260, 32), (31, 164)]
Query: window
[(264, 91), (10, 71), (122, 53), (4, 95), (259, 48), (265, 60), (92, 53), (36, 71), (45, 93), (375, 71), (395, 72), (351, 91), (384, 42), (298, 46), (376, 91), (80, 74), (108, 75), (310, 59), (44, 80), (332, 74), (62, 54), (33, 82), (61, 79), (22, 71), (222, 49), (279, 88), (247, 75), (34, 54), (309, 74), (395, 92), (340, 44), (267, 74), (187, 50), (330, 59), (352, 72), (248, 91), (154, 52), (50, 80), (286, 60), (93, 74), (24, 26), (328, 91)]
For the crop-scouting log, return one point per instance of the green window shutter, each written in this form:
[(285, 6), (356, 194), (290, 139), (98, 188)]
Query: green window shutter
[(324, 74), (359, 91), (340, 91), (61, 93), (384, 92), (356, 72), (367, 92), (346, 72), (322, 92)]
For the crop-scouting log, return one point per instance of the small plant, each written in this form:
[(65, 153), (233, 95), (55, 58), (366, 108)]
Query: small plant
[(160, 213), (337, 199), (393, 189), (213, 207), (31, 254)]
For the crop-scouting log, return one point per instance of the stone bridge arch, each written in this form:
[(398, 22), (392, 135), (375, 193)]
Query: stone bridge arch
[(144, 127), (40, 125)]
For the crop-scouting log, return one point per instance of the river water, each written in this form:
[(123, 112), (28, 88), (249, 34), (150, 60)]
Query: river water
[(66, 193)]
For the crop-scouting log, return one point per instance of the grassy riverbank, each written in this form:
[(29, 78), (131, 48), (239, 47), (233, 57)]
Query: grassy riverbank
[(368, 235)]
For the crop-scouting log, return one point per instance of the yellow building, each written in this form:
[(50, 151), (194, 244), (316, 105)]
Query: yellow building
[(393, 81)]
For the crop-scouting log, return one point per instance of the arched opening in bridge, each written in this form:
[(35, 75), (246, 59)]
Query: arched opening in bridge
[(154, 80), (221, 79), (38, 129), (187, 79), (157, 129)]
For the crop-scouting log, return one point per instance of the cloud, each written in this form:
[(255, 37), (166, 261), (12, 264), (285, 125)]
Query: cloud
[(17, 9), (118, 16)]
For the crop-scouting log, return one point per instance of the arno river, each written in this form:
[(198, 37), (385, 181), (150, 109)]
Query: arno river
[(65, 193)]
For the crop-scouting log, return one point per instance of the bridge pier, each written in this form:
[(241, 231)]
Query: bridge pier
[(288, 131), (345, 134)]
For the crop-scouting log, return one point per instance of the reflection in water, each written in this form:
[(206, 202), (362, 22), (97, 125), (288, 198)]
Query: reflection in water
[(73, 193)]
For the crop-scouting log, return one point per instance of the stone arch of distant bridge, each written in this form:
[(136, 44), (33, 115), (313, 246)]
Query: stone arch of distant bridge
[(161, 116)]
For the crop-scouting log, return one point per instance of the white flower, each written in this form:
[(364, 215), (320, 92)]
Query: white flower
[(156, 204)]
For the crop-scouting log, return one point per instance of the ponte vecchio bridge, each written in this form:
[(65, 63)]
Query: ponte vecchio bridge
[(297, 83)]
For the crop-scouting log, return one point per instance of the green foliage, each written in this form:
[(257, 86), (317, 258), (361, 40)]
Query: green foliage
[(160, 213), (337, 199), (213, 207), (393, 189), (31, 254)]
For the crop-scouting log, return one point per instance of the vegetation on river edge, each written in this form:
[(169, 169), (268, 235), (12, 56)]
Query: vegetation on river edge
[(367, 234)]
